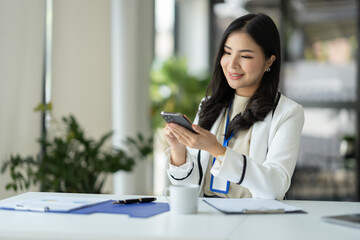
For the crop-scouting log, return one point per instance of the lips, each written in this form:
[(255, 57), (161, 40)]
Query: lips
[(235, 76)]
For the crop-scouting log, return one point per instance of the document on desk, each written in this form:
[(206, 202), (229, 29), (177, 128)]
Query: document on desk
[(250, 206), (52, 203)]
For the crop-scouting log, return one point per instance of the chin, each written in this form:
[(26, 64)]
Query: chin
[(236, 86)]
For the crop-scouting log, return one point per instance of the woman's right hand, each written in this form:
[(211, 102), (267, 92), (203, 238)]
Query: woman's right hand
[(178, 150)]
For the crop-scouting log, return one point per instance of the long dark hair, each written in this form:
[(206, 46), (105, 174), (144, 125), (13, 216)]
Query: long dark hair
[(263, 31)]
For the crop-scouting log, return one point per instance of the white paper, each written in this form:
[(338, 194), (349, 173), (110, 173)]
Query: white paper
[(53, 203), (244, 205)]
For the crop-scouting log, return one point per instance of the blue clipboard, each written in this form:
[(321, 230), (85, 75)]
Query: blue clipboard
[(136, 210)]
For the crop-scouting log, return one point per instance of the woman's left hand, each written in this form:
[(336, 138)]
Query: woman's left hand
[(204, 140)]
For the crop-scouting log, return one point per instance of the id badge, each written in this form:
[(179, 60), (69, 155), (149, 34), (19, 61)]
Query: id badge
[(219, 184)]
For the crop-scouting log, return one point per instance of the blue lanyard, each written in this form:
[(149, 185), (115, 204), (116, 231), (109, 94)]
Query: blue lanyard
[(226, 140), (225, 144)]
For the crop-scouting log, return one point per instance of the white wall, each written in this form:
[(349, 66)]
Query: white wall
[(21, 56), (81, 83), (81, 63)]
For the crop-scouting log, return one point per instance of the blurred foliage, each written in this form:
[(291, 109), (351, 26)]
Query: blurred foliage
[(173, 89), (72, 162), (347, 151)]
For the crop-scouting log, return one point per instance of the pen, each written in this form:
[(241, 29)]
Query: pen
[(31, 208), (135, 200)]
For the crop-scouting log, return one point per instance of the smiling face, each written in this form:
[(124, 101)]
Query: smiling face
[(244, 63)]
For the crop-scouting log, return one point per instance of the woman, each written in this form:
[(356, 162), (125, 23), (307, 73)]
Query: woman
[(248, 134)]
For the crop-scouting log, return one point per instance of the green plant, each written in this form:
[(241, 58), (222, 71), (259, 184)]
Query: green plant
[(73, 162), (173, 89)]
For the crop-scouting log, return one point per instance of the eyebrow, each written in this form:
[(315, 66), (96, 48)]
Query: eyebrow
[(242, 50)]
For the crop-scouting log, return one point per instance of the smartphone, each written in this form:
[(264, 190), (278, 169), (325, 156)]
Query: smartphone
[(177, 118)]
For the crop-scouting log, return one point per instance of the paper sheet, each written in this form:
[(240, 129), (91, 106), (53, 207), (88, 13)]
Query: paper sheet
[(250, 205), (52, 203)]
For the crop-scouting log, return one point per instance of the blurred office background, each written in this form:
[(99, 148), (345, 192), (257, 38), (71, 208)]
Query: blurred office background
[(99, 59)]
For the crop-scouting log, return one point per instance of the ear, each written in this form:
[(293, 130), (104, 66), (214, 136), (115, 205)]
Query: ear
[(270, 61)]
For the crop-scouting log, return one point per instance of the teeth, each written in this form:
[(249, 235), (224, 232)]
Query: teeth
[(234, 75)]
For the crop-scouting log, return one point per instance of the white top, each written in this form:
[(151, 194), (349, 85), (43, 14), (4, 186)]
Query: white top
[(239, 143)]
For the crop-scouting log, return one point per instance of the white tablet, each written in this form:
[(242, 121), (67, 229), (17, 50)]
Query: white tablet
[(351, 220)]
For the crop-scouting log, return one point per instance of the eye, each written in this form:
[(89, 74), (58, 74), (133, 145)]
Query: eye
[(227, 53), (247, 57)]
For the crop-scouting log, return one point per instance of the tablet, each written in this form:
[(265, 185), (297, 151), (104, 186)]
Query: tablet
[(351, 220)]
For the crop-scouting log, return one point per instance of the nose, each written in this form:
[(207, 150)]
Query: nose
[(234, 62)]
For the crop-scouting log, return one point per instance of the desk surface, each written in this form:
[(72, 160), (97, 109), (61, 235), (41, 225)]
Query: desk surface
[(208, 223)]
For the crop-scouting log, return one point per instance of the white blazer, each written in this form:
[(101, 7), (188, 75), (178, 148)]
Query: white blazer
[(268, 168)]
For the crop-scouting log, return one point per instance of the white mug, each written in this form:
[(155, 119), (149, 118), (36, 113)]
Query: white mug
[(183, 198)]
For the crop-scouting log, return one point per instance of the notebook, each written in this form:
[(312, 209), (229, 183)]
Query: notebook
[(351, 220)]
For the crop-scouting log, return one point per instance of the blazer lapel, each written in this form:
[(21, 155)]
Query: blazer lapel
[(204, 154)]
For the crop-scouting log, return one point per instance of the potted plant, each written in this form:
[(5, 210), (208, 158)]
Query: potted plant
[(72, 162)]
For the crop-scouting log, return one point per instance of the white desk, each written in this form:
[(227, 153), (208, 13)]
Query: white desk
[(207, 224)]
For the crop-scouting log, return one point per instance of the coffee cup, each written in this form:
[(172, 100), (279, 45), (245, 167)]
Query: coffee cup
[(183, 199)]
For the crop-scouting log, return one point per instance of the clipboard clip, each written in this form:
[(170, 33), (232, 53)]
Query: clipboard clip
[(263, 211)]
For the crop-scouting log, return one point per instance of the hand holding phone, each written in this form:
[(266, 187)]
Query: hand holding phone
[(177, 118)]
